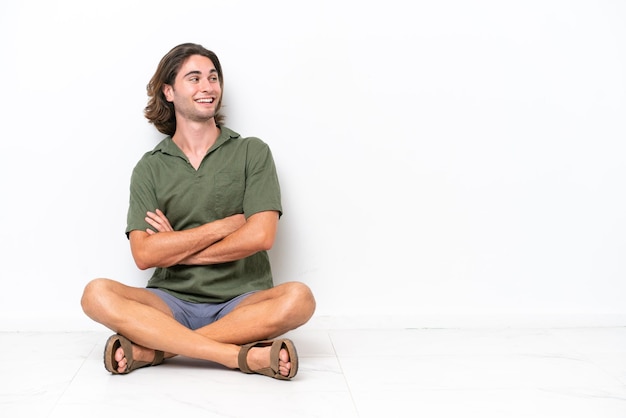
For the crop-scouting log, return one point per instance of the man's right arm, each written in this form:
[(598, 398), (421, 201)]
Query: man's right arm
[(168, 248)]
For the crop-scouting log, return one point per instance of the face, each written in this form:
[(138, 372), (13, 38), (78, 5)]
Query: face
[(196, 92)]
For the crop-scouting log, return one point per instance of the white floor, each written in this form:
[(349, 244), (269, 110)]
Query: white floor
[(503, 373)]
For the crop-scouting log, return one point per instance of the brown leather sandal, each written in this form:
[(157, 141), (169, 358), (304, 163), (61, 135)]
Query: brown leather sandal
[(116, 341), (273, 370)]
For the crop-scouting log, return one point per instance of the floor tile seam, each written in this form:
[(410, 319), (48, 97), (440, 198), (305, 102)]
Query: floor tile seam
[(67, 386), (345, 379)]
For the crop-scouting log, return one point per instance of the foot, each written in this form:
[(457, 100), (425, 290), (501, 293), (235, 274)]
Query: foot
[(139, 354), (259, 358)]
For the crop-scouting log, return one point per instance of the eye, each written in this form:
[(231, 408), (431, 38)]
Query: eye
[(214, 79)]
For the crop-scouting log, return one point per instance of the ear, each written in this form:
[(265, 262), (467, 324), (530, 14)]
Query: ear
[(168, 92)]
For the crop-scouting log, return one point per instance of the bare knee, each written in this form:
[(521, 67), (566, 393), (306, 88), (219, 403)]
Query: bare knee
[(95, 295), (300, 302)]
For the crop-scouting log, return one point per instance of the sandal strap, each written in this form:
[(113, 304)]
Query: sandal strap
[(242, 358), (158, 357), (118, 340), (273, 369)]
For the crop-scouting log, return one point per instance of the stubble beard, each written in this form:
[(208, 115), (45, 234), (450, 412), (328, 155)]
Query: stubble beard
[(194, 115)]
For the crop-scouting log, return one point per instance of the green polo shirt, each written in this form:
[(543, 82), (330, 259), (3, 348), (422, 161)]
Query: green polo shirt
[(237, 175)]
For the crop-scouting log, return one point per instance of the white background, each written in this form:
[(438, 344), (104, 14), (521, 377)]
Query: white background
[(449, 159)]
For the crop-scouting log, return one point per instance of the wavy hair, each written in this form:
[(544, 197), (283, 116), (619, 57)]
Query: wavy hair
[(159, 111)]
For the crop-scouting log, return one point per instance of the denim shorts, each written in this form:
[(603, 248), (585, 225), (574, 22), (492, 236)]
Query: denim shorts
[(197, 315)]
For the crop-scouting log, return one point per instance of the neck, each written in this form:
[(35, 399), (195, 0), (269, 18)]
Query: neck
[(195, 139)]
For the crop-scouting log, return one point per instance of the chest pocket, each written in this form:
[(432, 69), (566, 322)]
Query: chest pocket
[(229, 192)]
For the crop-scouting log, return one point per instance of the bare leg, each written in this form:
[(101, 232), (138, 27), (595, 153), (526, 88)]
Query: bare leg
[(144, 318), (264, 315)]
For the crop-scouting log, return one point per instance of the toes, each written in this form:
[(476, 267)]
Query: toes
[(284, 364), (119, 354), (258, 359), (121, 360), (284, 370), (121, 368)]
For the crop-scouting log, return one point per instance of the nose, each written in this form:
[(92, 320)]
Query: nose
[(206, 85)]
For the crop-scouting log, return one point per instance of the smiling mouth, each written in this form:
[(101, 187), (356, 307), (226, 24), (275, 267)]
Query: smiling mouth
[(207, 100)]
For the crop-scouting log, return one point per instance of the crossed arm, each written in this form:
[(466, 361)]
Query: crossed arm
[(220, 241)]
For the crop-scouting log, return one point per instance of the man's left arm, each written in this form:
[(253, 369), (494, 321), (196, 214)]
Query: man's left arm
[(257, 234)]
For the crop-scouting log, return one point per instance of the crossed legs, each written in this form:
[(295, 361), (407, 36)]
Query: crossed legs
[(145, 319)]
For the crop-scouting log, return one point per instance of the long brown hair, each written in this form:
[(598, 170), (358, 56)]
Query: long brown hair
[(159, 111)]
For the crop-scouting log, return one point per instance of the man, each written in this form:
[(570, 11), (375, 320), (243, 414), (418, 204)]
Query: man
[(204, 208)]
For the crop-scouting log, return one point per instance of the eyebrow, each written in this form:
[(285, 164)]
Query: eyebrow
[(197, 72)]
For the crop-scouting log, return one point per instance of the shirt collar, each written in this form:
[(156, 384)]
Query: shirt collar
[(167, 145)]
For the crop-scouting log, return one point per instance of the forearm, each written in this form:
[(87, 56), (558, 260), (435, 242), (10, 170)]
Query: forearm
[(256, 235), (231, 248), (168, 248)]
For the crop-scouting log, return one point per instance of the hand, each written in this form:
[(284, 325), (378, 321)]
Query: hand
[(158, 221)]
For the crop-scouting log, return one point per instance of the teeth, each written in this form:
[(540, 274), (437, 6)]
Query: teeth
[(204, 100)]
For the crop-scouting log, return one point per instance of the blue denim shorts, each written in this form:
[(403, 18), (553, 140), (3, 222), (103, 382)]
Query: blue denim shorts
[(197, 315)]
